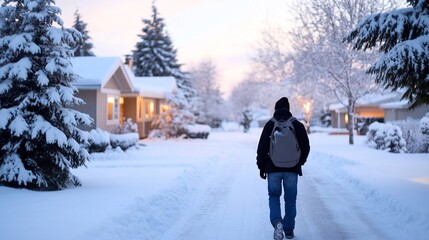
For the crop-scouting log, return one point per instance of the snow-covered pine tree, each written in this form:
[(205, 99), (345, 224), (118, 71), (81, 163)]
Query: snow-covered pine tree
[(84, 47), (155, 55), (403, 37), (40, 140)]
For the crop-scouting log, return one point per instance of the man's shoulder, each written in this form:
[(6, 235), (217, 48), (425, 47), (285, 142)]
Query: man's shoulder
[(298, 124)]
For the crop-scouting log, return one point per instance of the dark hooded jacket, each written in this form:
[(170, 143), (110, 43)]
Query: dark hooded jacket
[(264, 162)]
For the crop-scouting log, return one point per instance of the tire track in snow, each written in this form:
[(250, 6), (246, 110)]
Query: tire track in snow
[(232, 207), (332, 209)]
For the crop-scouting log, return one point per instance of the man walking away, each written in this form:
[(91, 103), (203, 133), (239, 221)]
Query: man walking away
[(279, 175)]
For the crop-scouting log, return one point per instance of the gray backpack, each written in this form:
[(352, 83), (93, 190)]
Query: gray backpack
[(284, 147)]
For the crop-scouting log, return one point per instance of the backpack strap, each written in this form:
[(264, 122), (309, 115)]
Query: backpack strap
[(291, 119), (274, 120)]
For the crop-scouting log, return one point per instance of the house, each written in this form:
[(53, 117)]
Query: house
[(399, 110), (385, 107), (148, 100), (112, 93)]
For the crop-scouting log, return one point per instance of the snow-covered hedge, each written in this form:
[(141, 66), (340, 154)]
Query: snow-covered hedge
[(416, 134), (128, 126), (386, 136), (412, 135), (197, 131), (98, 140), (124, 141)]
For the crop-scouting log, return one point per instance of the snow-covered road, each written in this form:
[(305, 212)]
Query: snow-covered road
[(226, 199), (211, 189), (233, 203)]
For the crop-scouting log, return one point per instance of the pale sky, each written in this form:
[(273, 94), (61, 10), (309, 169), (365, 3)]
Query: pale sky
[(225, 31)]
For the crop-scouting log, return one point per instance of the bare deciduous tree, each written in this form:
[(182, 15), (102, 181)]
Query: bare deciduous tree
[(322, 59), (209, 102)]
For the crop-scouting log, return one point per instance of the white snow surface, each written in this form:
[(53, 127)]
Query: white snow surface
[(155, 87), (94, 70), (210, 189)]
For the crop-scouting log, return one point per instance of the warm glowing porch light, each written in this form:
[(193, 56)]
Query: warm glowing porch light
[(111, 100)]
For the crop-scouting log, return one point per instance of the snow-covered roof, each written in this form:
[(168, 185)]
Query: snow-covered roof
[(96, 71), (155, 87), (374, 99), (395, 105)]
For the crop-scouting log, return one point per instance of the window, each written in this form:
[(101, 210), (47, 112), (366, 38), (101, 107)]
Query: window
[(164, 108), (112, 108), (150, 109), (140, 108)]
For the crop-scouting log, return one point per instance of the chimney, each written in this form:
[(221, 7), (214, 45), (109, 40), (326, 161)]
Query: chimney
[(129, 60)]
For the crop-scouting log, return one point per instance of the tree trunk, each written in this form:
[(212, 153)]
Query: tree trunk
[(351, 113)]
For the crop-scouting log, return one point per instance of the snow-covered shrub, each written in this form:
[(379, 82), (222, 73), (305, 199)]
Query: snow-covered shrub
[(326, 119), (386, 136), (394, 142), (127, 126), (424, 124), (375, 135), (414, 138), (197, 131), (124, 141), (424, 129), (98, 140), (163, 126)]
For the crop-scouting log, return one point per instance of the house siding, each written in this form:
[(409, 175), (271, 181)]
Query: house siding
[(102, 112), (404, 114), (90, 106), (111, 84)]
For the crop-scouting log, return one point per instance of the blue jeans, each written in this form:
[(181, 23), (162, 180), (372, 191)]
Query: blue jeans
[(290, 184)]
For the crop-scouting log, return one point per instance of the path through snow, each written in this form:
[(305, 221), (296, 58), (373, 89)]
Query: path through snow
[(226, 199)]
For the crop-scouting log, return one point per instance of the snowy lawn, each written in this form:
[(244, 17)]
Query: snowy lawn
[(210, 189)]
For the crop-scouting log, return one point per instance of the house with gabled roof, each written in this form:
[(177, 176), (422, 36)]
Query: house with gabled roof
[(386, 107), (112, 93), (148, 100)]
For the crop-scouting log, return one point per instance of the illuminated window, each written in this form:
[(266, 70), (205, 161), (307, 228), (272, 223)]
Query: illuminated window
[(164, 108), (140, 108), (150, 109), (112, 108)]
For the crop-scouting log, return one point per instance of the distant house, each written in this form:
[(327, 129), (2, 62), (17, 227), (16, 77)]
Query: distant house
[(381, 107), (148, 100), (399, 111), (112, 93)]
